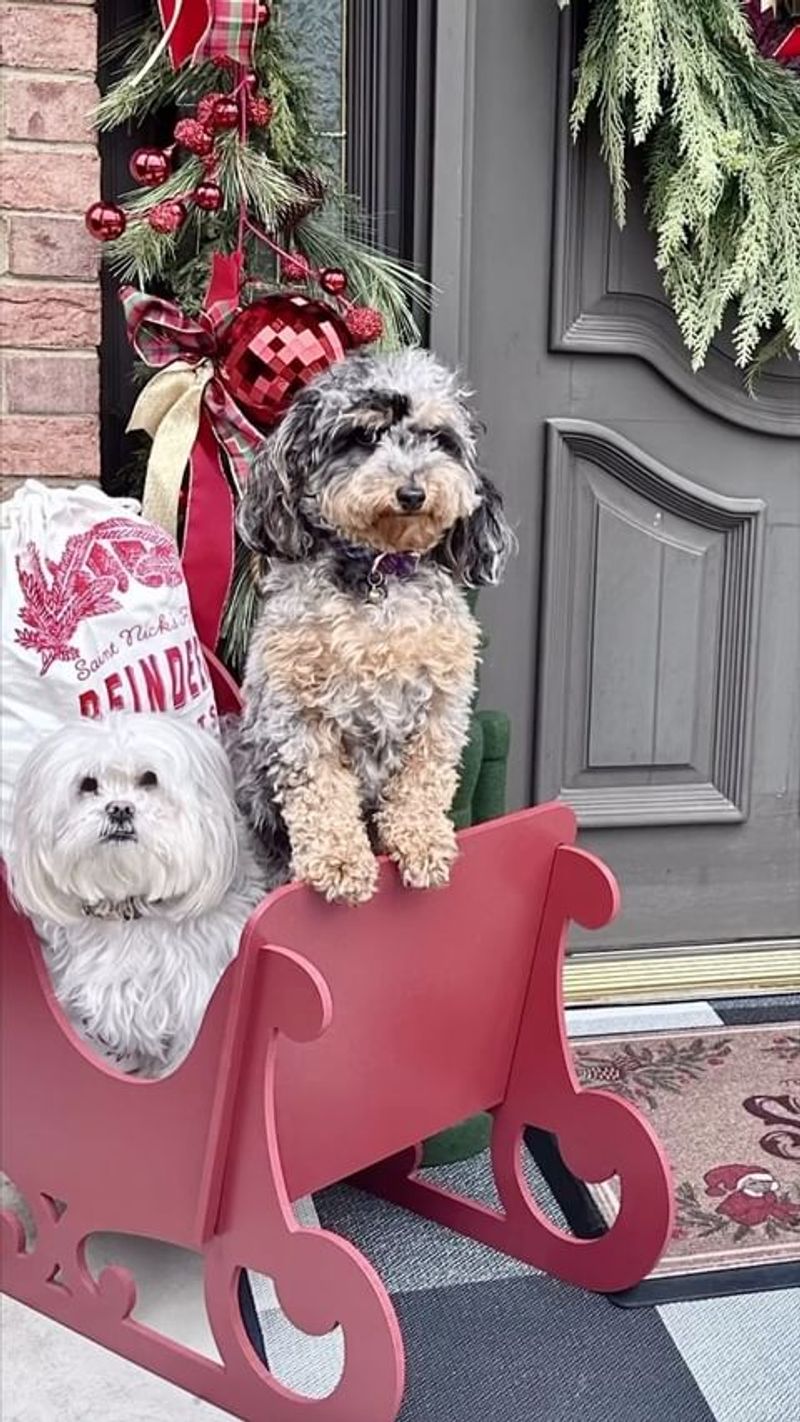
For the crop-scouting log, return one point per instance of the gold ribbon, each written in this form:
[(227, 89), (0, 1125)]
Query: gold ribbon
[(168, 409)]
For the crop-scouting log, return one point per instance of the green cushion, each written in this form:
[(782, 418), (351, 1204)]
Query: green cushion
[(481, 795), (460, 1142), (471, 763), (489, 797)]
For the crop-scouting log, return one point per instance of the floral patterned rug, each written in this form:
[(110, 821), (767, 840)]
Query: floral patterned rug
[(726, 1105)]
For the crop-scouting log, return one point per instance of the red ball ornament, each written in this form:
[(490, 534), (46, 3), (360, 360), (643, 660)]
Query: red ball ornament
[(259, 112), (208, 196), (295, 267), (225, 114), (105, 221), (364, 324), (167, 217), (334, 281), (192, 135), (273, 348), (205, 108), (150, 166)]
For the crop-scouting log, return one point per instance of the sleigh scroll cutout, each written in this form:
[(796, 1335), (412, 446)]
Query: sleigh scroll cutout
[(599, 1135)]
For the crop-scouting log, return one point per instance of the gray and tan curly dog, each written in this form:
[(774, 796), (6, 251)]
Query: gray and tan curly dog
[(373, 515)]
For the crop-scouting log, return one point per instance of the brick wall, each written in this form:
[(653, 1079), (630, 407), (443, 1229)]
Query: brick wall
[(49, 291)]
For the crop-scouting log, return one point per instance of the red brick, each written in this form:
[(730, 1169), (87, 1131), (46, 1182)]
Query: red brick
[(51, 247), (49, 317), (37, 384), (54, 110), (48, 37), (48, 178), (60, 446)]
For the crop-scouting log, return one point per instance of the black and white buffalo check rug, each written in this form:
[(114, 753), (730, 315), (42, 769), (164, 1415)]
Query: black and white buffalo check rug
[(487, 1339)]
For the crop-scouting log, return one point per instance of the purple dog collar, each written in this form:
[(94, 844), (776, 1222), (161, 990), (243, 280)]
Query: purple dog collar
[(396, 565), (389, 565)]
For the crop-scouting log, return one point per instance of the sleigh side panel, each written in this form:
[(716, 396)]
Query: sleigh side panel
[(428, 991), (125, 1154)]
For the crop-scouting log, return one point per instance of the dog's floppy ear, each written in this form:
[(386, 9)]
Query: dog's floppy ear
[(269, 518), (476, 549)]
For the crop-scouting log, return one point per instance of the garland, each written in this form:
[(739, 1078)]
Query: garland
[(720, 128), (278, 175), (242, 222)]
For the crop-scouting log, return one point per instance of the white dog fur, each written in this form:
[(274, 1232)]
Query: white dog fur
[(132, 861)]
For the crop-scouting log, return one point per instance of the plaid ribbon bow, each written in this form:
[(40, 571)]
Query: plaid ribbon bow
[(183, 350), (193, 420), (211, 29)]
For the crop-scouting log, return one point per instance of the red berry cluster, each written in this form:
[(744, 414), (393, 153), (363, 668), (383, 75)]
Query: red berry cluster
[(215, 114), (364, 323)]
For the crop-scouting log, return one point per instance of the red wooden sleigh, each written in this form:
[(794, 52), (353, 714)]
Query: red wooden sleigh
[(337, 1040)]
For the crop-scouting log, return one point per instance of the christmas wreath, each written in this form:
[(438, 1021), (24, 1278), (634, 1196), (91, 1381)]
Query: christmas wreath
[(709, 90)]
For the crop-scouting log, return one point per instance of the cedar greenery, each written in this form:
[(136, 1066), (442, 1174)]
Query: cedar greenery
[(267, 172), (720, 126)]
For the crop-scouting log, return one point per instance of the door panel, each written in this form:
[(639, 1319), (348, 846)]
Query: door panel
[(646, 640), (650, 604)]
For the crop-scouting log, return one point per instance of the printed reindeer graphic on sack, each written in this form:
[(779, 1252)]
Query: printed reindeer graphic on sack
[(91, 580)]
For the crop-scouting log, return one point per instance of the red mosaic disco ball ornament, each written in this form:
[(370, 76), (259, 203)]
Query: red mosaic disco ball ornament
[(276, 346)]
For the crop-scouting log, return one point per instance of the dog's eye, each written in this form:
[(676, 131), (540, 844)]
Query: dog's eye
[(149, 780), (447, 443), (88, 785), (366, 437)]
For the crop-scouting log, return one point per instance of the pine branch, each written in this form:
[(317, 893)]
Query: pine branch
[(720, 124), (266, 173)]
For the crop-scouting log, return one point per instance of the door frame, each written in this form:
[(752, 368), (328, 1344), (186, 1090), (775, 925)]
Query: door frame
[(389, 88), (703, 970)]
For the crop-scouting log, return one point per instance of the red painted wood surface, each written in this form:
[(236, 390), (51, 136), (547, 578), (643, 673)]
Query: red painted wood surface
[(338, 1037)]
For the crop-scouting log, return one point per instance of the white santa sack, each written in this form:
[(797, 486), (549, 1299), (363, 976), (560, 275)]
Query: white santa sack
[(95, 618)]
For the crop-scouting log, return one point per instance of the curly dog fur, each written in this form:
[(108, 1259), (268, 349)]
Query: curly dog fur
[(373, 515)]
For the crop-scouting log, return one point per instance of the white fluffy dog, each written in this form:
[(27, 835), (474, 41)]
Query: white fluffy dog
[(129, 855)]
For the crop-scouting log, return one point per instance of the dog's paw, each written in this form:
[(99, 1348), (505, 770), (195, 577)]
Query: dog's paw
[(348, 876), (424, 851)]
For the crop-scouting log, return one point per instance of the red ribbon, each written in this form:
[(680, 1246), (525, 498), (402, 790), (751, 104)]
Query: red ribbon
[(789, 47), (161, 333), (208, 543), (211, 29)]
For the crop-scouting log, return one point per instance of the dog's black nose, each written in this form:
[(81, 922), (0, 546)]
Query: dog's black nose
[(119, 811), (410, 498)]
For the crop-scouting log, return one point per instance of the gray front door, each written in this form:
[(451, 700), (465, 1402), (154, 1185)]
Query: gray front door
[(647, 639)]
